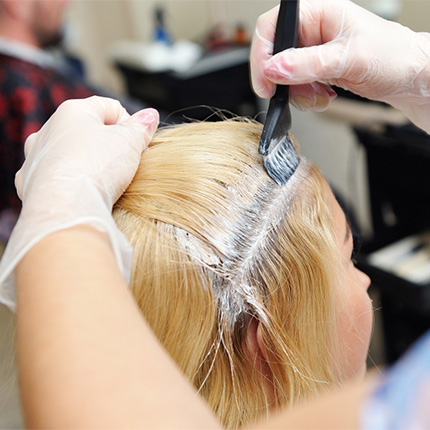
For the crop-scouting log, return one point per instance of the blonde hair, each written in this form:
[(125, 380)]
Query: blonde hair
[(218, 244)]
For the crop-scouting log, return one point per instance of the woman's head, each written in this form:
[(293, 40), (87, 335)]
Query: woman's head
[(242, 280)]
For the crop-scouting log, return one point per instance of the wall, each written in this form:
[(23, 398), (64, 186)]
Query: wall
[(331, 144), (93, 26), (415, 14), (96, 24)]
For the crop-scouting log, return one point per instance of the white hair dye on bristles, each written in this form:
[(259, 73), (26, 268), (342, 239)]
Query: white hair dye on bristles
[(230, 255)]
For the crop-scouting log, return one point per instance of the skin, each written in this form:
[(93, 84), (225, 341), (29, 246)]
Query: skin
[(355, 318), (338, 409), (46, 18), (79, 368), (36, 23)]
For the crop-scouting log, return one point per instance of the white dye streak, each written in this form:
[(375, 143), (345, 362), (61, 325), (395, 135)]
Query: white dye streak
[(230, 255)]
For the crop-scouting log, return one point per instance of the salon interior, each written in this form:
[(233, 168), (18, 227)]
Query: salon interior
[(189, 59)]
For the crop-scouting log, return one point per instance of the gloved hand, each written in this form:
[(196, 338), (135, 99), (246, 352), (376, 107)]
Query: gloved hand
[(343, 44), (76, 167)]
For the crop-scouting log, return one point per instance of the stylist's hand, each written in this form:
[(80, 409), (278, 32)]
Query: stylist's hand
[(95, 140), (343, 44), (76, 167)]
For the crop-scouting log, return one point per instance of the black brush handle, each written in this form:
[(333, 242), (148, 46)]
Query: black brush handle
[(286, 36), (279, 110)]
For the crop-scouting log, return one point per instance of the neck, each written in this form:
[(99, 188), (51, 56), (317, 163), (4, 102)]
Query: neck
[(16, 31)]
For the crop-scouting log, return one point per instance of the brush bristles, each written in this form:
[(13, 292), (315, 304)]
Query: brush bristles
[(281, 160)]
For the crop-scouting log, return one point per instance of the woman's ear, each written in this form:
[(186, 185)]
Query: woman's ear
[(254, 346), (260, 341), (256, 353)]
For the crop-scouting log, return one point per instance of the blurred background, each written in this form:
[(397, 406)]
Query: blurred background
[(189, 58)]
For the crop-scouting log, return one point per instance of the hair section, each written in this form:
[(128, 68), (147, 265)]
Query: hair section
[(218, 245)]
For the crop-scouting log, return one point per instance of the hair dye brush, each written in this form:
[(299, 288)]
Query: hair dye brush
[(279, 155)]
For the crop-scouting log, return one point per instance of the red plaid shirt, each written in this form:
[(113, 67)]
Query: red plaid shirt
[(29, 95)]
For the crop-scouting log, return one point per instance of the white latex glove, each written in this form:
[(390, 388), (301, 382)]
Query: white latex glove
[(343, 44), (76, 167)]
